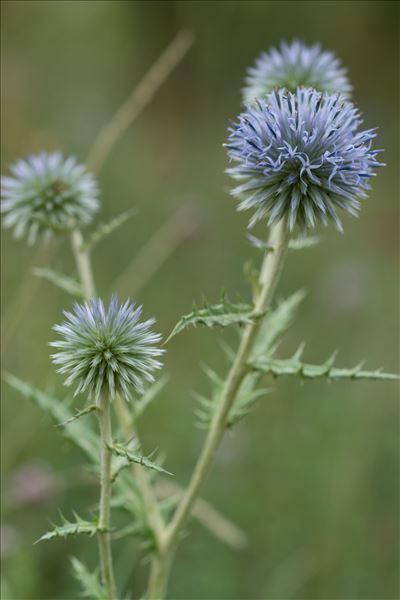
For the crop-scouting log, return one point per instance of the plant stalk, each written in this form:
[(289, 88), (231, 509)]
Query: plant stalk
[(83, 265), (106, 564), (269, 276), (153, 514)]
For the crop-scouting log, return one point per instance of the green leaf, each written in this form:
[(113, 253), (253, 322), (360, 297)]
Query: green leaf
[(259, 244), (105, 229), (295, 366), (217, 315), (64, 282), (298, 243), (80, 413), (134, 457), (275, 324), (68, 528), (90, 582), (150, 394), (304, 242), (77, 432), (246, 399), (126, 494)]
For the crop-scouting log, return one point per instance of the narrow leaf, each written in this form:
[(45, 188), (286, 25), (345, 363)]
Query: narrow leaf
[(276, 323), (150, 394), (217, 315), (80, 413), (134, 457), (304, 242), (64, 282), (105, 229), (78, 432), (294, 366), (259, 244), (68, 528), (90, 582)]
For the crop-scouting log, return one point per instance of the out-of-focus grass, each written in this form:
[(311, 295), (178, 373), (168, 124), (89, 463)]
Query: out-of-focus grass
[(312, 475)]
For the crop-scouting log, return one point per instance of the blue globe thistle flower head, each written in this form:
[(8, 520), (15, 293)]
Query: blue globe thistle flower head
[(296, 65), (303, 156), (109, 350), (47, 193)]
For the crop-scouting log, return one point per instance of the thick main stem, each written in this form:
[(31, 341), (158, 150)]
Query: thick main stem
[(269, 276), (106, 565)]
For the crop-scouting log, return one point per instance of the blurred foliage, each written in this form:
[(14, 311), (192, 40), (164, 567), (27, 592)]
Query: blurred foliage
[(311, 475)]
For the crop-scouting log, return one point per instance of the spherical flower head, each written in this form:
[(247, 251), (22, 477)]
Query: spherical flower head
[(295, 65), (47, 193), (302, 156), (106, 350)]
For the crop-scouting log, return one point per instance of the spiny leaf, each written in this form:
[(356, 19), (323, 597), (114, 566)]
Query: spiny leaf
[(276, 323), (68, 528), (133, 457), (304, 242), (150, 394), (78, 432), (105, 229), (294, 366), (64, 282), (127, 494), (90, 582), (217, 315), (80, 413)]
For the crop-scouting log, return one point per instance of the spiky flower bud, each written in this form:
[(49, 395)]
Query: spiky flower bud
[(47, 193), (295, 65), (106, 349), (301, 155)]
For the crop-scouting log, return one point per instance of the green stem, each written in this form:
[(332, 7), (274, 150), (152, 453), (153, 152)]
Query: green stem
[(153, 513), (155, 520), (106, 565), (85, 273), (83, 265), (159, 574), (269, 276)]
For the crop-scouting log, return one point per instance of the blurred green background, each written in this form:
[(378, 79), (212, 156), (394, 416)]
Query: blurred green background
[(312, 475)]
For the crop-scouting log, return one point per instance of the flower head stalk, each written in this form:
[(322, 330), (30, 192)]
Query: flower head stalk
[(107, 349), (301, 155), (295, 65), (47, 193)]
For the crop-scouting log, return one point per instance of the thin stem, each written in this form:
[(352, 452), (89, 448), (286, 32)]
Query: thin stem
[(153, 513), (157, 249), (82, 259), (106, 565), (138, 100), (269, 276)]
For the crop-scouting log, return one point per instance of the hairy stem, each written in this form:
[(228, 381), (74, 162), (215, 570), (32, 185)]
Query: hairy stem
[(106, 564), (82, 259), (269, 276)]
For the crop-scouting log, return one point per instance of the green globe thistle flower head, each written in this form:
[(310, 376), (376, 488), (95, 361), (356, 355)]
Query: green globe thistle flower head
[(303, 156), (107, 350), (295, 65), (47, 193)]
